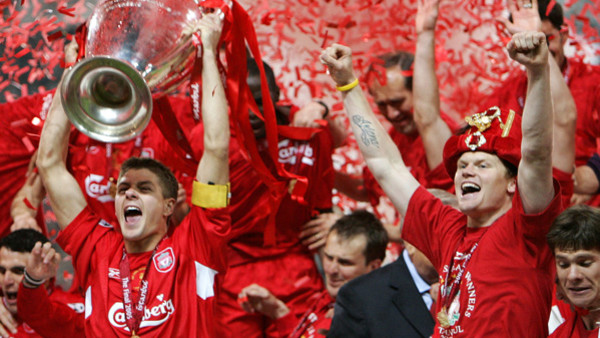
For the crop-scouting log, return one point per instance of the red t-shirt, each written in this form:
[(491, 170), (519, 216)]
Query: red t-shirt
[(573, 327), (54, 314), (506, 288), (250, 197), (314, 322), (582, 80), (181, 277)]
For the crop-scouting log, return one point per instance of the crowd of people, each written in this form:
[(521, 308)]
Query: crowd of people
[(499, 229)]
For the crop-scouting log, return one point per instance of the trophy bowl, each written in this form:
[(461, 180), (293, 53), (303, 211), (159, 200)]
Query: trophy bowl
[(135, 50)]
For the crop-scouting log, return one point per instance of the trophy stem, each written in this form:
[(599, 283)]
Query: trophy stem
[(111, 90)]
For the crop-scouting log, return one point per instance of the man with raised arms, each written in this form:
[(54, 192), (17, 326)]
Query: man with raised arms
[(152, 279), (494, 265)]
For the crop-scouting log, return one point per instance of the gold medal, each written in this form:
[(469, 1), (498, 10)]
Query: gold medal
[(133, 335), (442, 318)]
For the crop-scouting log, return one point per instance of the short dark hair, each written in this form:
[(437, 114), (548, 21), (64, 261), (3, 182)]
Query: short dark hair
[(22, 240), (362, 222), (555, 16), (165, 176), (511, 169), (577, 228), (401, 59)]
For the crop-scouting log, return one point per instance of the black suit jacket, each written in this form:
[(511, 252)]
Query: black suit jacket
[(383, 303)]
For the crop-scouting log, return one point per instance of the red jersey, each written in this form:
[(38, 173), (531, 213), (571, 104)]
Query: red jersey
[(51, 313), (180, 298), (507, 268), (582, 80), (314, 323), (250, 197), (573, 328)]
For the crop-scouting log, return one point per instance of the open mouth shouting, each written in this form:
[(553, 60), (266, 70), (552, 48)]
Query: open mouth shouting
[(132, 215), (469, 188), (10, 298)]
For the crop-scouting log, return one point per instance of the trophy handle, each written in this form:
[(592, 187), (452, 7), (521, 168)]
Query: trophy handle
[(106, 99)]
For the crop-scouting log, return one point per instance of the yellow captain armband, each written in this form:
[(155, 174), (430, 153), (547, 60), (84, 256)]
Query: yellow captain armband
[(210, 195)]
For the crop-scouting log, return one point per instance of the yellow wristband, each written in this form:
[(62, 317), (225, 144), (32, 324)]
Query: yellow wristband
[(347, 87), (210, 195)]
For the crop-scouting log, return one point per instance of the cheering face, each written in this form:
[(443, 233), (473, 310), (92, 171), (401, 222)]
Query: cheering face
[(578, 275), (481, 183), (344, 260), (141, 209), (556, 41), (12, 267), (395, 101)]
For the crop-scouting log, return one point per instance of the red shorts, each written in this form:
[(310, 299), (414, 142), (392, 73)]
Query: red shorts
[(293, 278)]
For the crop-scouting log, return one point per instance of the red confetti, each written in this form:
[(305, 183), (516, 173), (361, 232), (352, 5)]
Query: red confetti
[(66, 11), (55, 36)]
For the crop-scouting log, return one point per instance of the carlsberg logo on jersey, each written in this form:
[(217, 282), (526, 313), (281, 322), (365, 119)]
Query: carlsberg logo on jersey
[(153, 316), (95, 189), (290, 153)]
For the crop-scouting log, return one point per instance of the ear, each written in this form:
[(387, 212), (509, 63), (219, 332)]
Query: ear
[(374, 264), (511, 188), (169, 207), (564, 36)]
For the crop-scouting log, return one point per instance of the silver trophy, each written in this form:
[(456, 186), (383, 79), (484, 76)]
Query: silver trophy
[(135, 49)]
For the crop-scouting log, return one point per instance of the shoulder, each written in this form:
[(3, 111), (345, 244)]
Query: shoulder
[(374, 282)]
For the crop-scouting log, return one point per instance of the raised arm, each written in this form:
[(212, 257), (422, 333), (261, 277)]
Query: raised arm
[(535, 169), (565, 120), (23, 208), (214, 165), (66, 197), (378, 149), (433, 130), (565, 110)]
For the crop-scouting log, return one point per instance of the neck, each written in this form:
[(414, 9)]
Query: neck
[(145, 244), (485, 219), (592, 319)]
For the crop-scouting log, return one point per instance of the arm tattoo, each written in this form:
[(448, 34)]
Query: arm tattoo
[(368, 136)]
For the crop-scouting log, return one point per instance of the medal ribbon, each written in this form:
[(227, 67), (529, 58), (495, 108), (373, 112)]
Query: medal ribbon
[(134, 314), (447, 297)]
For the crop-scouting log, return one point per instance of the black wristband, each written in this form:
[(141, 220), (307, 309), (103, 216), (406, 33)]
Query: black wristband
[(32, 281), (326, 108)]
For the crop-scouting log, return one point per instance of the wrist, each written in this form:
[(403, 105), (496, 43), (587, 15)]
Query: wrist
[(325, 109), (281, 311), (347, 86), (31, 281)]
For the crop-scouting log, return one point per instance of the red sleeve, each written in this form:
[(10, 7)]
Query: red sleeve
[(81, 238), (48, 318), (204, 234), (432, 227), (566, 185), (535, 226)]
